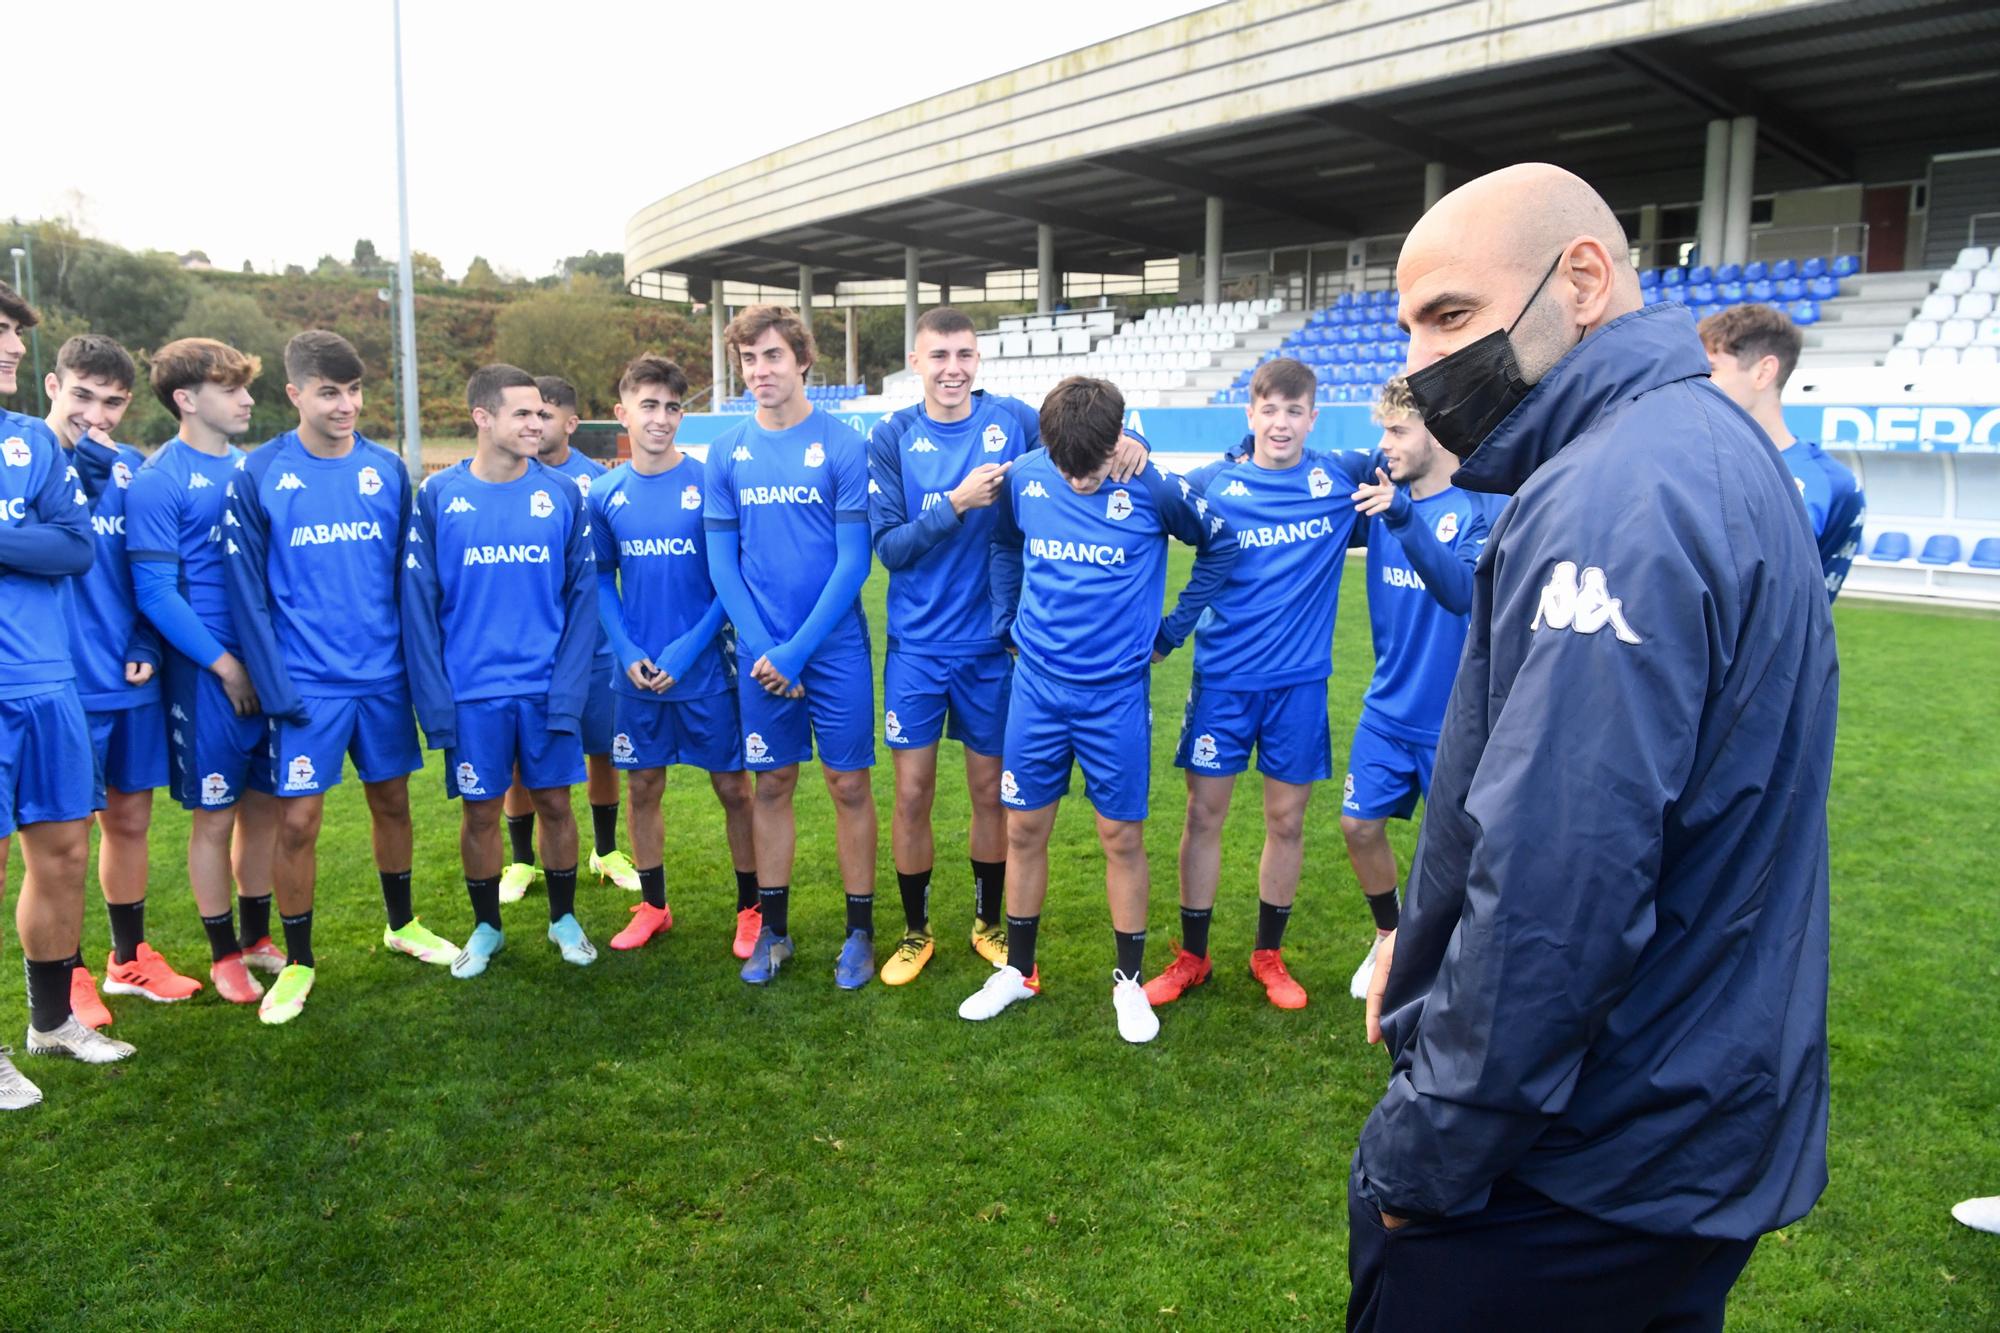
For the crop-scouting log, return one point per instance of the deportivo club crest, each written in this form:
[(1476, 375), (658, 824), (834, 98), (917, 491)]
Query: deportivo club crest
[(892, 726), (468, 780), (540, 505), (621, 748), (815, 455), (993, 439), (1320, 484), (691, 497), (370, 481), (1203, 753), (214, 789), (16, 451), (121, 472), (582, 481), (1119, 506), (754, 748), (1010, 790), (1447, 527), (299, 773)]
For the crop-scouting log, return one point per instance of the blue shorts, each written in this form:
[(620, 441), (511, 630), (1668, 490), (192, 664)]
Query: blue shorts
[(1108, 729), (599, 713), (47, 773), (216, 755), (654, 733), (920, 692), (131, 748), (1287, 727), (495, 736), (838, 713), (1385, 774), (378, 730)]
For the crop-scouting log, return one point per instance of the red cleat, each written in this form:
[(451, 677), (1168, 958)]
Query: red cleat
[(147, 976), (233, 981), (749, 922), (1182, 975), (83, 1002), (647, 921), (1268, 966), (264, 956)]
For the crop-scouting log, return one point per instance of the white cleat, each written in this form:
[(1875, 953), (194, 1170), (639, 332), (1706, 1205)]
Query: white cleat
[(16, 1092), (1003, 988), (1137, 1023), (78, 1042), (1980, 1214), (1364, 976), (568, 937)]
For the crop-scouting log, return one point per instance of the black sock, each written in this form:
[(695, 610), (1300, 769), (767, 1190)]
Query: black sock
[(48, 993), (604, 826), (746, 890), (562, 893), (1382, 906), (485, 895), (1131, 952), (653, 885), (775, 902), (253, 919), (521, 837), (1194, 929), (298, 937), (1271, 922), (916, 891), (221, 936), (396, 897), (128, 929), (861, 914), (989, 890), (1021, 942)]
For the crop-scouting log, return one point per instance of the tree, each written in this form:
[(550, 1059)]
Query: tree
[(294, 271), (425, 268), (238, 320), (137, 299), (248, 267), (480, 274), (584, 339), (365, 258), (329, 267), (609, 266)]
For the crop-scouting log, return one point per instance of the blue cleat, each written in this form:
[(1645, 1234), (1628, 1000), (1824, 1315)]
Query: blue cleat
[(477, 953), (568, 937), (766, 957), (856, 963)]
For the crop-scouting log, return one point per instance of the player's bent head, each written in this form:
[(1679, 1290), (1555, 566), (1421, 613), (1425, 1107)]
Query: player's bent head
[(656, 372), (1752, 351), (322, 354), (187, 369), (557, 392), (91, 386), (758, 328), (1081, 421), (92, 356)]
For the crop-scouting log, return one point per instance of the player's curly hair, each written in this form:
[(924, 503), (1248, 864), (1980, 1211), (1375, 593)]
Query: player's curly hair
[(753, 322), (189, 363), (1394, 402), (1081, 421)]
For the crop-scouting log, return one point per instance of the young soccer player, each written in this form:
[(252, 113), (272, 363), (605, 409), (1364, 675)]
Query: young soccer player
[(1079, 576), (499, 623), (786, 508), (117, 657), (1753, 350), (317, 526), (175, 538), (45, 761), (676, 691), (1261, 664), (1423, 541), (559, 423)]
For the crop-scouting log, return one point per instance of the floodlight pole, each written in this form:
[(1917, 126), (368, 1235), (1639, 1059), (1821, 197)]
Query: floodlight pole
[(406, 313)]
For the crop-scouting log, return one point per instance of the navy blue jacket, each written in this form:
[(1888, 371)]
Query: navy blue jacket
[(1610, 981)]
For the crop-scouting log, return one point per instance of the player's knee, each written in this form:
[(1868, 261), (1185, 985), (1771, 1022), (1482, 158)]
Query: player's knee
[(850, 790), (298, 825), (1285, 824), (1360, 832), (61, 852), (1205, 816), (732, 789), (1123, 840), (915, 795), (777, 788), (552, 806), (645, 786), (481, 816), (388, 803), (125, 817), (1027, 832)]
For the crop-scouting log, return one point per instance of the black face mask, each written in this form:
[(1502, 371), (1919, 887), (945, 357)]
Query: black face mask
[(1465, 396)]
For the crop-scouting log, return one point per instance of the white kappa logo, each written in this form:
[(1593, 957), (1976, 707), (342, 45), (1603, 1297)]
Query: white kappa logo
[(1585, 606), (754, 748), (459, 505), (468, 780), (922, 445), (540, 505), (370, 481), (993, 439), (1236, 488), (411, 560), (690, 498), (121, 472), (815, 455), (620, 500), (1447, 527), (415, 536), (1034, 488), (197, 482), (1319, 483), (215, 790), (621, 748), (1203, 753), (299, 773), (179, 716), (742, 454), (1119, 506), (290, 482), (17, 452), (1010, 790), (892, 726), (1215, 525)]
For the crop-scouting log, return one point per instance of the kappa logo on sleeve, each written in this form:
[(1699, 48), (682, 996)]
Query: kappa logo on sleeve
[(1236, 488), (921, 445), (993, 440), (690, 498), (369, 481), (290, 482), (1581, 603), (619, 500), (742, 454), (16, 452), (196, 481), (459, 505), (540, 505), (1034, 488), (1119, 506)]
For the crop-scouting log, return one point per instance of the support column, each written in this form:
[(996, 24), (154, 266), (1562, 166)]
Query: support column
[(1046, 290), (1648, 239), (944, 293), (806, 294), (1742, 173), (718, 319), (1211, 253), (911, 281), (1433, 184), (853, 351), (1714, 189)]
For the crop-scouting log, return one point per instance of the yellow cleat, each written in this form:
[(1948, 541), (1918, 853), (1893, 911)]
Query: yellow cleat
[(911, 954), (989, 942), (617, 867)]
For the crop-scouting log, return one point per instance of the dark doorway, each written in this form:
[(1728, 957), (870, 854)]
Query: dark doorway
[(1886, 210)]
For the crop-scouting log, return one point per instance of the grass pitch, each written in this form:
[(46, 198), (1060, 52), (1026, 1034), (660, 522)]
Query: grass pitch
[(650, 1143)]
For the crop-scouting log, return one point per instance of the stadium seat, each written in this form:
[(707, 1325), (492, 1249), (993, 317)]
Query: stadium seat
[(1942, 549), (1903, 358), (1790, 289), (1822, 289), (1985, 553), (1756, 271), (1673, 277), (1701, 293), (1954, 281), (1844, 266), (1803, 312), (1784, 268), (1957, 333), (1729, 293), (1728, 273), (1676, 295), (1891, 546), (1938, 306), (1975, 305), (1700, 274), (1813, 268), (1940, 356), (1762, 289), (1974, 256), (1978, 355), (1702, 312), (1989, 333)]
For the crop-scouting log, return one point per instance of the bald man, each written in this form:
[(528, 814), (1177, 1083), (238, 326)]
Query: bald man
[(1606, 1003)]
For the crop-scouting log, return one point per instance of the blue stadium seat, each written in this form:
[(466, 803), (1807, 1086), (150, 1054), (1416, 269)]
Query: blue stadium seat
[(1701, 293), (1649, 279), (1803, 312), (1941, 549), (1699, 274), (1756, 271), (1790, 289), (1673, 277), (1761, 290), (1346, 300), (1813, 268), (1728, 272), (1985, 553), (1344, 354), (1677, 295), (1350, 333), (1845, 266), (1784, 268), (1380, 298), (1702, 312), (1822, 288), (1891, 546), (1729, 293)]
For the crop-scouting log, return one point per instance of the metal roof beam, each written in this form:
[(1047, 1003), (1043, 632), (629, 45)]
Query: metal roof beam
[(1162, 171), (1364, 123), (944, 243), (1681, 71), (1055, 215)]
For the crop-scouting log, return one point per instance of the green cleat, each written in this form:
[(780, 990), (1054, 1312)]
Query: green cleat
[(515, 880), (286, 999), (420, 942), (617, 867)]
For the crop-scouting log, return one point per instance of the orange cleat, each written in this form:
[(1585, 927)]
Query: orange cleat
[(1182, 975), (749, 922), (1268, 966), (233, 981), (647, 921), (147, 976), (83, 1001), (264, 956)]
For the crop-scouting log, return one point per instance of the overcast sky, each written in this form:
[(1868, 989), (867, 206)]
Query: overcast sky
[(266, 131)]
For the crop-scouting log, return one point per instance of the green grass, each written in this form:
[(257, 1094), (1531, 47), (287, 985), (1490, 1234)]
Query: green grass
[(648, 1142)]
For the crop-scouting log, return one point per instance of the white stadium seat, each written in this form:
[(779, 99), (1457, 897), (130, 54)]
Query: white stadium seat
[(1974, 256), (1980, 356), (1957, 333), (1903, 358), (1986, 280), (1938, 305), (1989, 333), (1940, 356), (1920, 333), (1955, 281), (1975, 305)]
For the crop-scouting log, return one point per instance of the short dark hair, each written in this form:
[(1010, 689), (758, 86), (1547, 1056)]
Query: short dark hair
[(189, 363), (650, 369), (17, 309), (488, 383), (94, 356), (322, 354), (557, 390), (1283, 377), (944, 321), (753, 322), (1753, 332), (1081, 421)]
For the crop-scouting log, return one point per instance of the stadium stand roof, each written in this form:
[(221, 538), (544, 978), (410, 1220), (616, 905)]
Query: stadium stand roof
[(1315, 121)]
